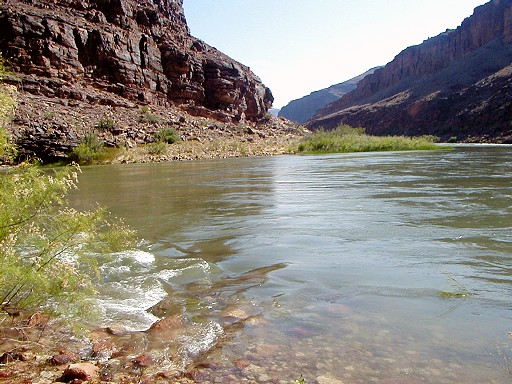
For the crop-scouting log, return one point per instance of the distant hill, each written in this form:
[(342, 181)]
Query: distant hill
[(457, 84), (274, 111), (303, 109)]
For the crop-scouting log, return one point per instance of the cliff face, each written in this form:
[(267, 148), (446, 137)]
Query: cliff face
[(119, 52), (303, 109), (456, 84)]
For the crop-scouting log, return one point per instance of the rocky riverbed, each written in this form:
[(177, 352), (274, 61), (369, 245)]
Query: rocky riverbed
[(39, 351)]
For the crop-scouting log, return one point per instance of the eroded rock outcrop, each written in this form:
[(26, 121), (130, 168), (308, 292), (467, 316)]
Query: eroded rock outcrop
[(121, 52), (456, 84)]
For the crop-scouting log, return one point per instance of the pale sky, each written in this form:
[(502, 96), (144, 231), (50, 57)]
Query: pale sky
[(300, 46)]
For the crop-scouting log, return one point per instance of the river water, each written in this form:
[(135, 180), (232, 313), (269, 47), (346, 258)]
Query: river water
[(353, 268)]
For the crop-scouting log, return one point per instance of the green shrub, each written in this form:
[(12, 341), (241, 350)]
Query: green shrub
[(106, 123), (93, 142), (7, 103), (7, 149), (146, 116), (82, 154), (49, 115), (243, 128), (344, 129), (267, 118), (167, 135), (45, 246), (89, 150), (156, 148)]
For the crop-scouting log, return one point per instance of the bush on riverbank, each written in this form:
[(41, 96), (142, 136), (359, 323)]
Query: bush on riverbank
[(45, 246), (346, 139), (7, 104), (167, 135), (88, 151)]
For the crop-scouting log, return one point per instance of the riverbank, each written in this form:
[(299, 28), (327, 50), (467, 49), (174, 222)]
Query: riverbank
[(38, 349), (214, 148), (346, 139), (49, 129)]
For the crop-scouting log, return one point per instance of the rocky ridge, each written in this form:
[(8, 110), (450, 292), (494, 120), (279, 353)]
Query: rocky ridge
[(120, 54), (303, 109), (457, 84)]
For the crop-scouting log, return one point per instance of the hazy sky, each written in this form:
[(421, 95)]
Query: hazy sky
[(300, 46)]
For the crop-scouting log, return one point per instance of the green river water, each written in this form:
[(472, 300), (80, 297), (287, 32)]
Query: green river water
[(358, 268)]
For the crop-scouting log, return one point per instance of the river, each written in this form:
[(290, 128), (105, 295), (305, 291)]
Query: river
[(352, 268)]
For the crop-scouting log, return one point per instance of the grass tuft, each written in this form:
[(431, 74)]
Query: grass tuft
[(146, 116), (346, 139)]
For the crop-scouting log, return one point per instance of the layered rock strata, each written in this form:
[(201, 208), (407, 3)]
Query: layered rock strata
[(140, 50), (124, 53), (457, 84)]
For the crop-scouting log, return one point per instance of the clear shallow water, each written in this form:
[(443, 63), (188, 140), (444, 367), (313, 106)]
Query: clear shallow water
[(336, 267)]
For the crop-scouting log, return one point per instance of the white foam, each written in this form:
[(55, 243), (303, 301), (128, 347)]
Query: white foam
[(131, 317), (143, 257), (204, 339), (133, 282), (127, 304), (129, 288)]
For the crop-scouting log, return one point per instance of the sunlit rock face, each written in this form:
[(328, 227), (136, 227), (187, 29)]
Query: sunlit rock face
[(118, 52), (457, 84)]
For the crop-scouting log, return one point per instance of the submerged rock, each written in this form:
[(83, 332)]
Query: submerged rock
[(81, 371), (63, 357), (168, 325)]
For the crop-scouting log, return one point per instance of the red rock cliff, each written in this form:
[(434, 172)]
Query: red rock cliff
[(140, 50)]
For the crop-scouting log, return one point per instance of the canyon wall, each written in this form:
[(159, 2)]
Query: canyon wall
[(120, 52), (457, 84)]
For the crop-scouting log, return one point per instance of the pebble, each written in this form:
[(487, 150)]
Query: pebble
[(82, 371), (328, 380), (4, 374), (103, 350), (143, 360), (63, 358), (46, 375)]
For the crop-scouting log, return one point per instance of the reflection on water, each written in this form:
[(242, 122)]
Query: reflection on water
[(328, 266)]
